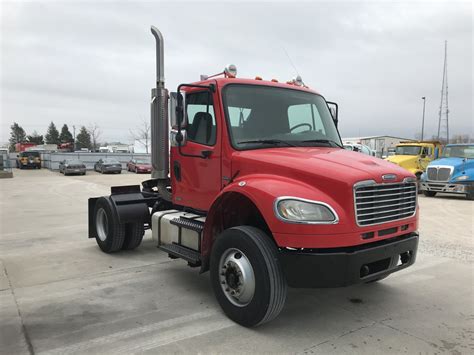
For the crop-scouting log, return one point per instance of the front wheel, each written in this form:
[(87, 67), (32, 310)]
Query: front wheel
[(429, 193), (247, 277)]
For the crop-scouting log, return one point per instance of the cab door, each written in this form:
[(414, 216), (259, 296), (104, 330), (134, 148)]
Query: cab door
[(196, 166)]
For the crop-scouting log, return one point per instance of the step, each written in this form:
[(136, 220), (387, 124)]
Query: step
[(178, 251), (188, 223)]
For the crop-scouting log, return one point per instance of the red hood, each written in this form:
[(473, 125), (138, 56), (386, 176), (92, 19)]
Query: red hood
[(143, 166), (315, 165)]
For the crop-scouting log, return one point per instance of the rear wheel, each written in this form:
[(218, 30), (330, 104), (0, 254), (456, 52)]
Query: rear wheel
[(133, 235), (470, 195), (429, 193), (246, 276), (110, 234)]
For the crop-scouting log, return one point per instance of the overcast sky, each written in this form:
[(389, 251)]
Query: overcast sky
[(79, 62)]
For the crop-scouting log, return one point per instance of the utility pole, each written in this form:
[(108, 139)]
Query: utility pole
[(423, 119), (443, 122), (74, 135)]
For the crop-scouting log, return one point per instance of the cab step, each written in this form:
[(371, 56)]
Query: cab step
[(188, 223), (177, 251)]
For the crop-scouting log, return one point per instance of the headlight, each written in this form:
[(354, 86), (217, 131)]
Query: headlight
[(296, 210), (462, 177)]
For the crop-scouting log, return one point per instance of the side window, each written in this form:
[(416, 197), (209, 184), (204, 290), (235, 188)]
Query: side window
[(306, 115), (201, 127), (424, 151)]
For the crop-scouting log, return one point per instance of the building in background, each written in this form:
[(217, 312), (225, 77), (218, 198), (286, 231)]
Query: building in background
[(381, 145), (115, 148)]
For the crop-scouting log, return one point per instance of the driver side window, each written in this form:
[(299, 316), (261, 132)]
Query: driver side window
[(306, 116)]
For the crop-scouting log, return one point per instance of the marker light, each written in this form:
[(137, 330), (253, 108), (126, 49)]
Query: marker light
[(258, 78), (274, 80), (230, 71)]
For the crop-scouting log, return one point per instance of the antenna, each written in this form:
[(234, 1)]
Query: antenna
[(291, 62), (443, 122)]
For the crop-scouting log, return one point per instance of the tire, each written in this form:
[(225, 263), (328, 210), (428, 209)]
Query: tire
[(133, 235), (429, 193), (264, 297), (102, 170), (136, 170), (470, 195), (110, 234)]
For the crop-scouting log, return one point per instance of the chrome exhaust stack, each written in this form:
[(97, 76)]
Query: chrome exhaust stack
[(159, 122)]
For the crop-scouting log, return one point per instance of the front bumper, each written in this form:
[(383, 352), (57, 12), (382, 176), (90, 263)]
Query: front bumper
[(448, 187), (75, 171), (349, 265)]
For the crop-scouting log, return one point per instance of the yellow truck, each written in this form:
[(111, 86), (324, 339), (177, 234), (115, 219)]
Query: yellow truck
[(415, 156)]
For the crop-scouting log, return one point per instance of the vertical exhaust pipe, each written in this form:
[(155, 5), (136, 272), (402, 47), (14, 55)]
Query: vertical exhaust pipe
[(159, 122)]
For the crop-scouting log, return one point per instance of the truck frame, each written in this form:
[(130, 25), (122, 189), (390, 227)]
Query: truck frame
[(257, 189)]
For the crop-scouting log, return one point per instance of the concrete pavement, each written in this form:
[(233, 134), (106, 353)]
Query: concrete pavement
[(60, 294)]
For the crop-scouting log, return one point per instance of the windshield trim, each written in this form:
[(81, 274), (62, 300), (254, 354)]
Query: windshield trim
[(229, 128)]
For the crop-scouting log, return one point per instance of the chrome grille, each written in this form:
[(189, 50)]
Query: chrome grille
[(382, 203), (436, 173)]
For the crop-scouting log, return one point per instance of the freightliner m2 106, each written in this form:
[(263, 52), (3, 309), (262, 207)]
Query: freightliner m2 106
[(257, 189)]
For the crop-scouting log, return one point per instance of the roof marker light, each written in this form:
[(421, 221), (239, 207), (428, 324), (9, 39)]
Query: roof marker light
[(258, 78), (275, 80)]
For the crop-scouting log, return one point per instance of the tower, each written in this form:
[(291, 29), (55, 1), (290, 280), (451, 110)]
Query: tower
[(443, 122)]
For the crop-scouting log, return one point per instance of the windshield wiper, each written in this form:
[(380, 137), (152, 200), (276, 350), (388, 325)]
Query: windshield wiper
[(327, 141), (268, 141)]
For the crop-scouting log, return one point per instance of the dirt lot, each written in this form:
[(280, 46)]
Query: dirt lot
[(59, 293)]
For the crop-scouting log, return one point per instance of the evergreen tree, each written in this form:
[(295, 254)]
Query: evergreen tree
[(17, 135), (35, 138), (52, 136), (83, 139), (65, 136)]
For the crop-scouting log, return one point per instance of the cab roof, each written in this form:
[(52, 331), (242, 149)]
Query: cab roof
[(222, 81)]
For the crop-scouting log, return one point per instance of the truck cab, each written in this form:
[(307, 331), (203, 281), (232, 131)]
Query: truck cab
[(28, 159), (415, 156), (257, 189), (452, 173)]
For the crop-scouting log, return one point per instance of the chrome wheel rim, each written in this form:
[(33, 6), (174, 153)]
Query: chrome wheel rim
[(236, 277), (101, 224)]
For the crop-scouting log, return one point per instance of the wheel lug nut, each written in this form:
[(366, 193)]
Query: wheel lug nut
[(227, 289), (223, 282)]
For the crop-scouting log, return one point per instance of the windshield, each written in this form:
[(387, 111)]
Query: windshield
[(142, 161), (459, 151), (29, 154), (263, 116), (408, 150)]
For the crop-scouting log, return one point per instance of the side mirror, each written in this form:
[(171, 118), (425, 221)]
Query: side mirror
[(334, 110), (177, 110), (178, 138)]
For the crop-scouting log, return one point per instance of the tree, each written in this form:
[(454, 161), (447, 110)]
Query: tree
[(83, 139), (17, 135), (52, 136), (142, 135), (35, 138), (65, 136), (94, 134)]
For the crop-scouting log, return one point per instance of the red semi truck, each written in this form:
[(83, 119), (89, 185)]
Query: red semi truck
[(257, 189)]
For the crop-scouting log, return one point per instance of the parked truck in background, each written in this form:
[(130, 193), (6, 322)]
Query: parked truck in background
[(28, 159), (453, 173), (415, 156), (258, 190)]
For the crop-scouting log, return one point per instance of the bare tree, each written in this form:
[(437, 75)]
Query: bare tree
[(95, 134), (142, 135)]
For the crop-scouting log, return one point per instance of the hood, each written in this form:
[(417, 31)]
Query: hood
[(143, 166), (315, 165), (459, 164), (403, 160)]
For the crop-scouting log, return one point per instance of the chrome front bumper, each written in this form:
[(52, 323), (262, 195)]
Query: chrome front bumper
[(448, 187)]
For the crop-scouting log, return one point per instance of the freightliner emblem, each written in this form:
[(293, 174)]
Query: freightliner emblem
[(388, 177)]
